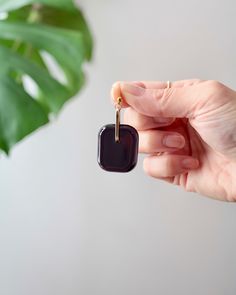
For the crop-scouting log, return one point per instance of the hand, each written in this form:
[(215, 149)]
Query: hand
[(193, 124)]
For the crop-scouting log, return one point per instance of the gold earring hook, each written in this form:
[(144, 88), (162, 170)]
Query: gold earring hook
[(117, 127)]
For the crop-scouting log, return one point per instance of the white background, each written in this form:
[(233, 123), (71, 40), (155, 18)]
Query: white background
[(69, 228)]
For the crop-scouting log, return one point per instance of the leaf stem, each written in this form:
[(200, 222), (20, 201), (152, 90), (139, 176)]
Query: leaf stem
[(34, 15)]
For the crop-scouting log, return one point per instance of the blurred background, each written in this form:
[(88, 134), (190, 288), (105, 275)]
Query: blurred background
[(66, 226)]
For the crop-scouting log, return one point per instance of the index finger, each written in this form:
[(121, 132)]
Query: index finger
[(116, 90)]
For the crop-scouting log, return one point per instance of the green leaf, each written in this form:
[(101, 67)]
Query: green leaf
[(66, 19), (65, 45), (69, 20), (7, 5), (19, 113), (24, 35), (56, 93)]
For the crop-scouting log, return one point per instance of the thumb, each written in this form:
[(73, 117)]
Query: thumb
[(176, 102)]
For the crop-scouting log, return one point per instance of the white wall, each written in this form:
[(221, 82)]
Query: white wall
[(67, 227)]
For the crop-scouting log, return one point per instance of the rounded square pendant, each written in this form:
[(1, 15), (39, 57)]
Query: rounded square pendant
[(118, 156)]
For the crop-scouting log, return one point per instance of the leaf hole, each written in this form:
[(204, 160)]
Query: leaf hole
[(3, 15), (30, 86), (53, 67)]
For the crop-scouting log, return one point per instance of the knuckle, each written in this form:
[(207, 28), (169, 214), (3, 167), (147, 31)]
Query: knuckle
[(150, 141), (230, 194), (169, 167), (231, 198), (189, 189), (157, 96), (162, 99), (217, 92), (166, 100), (216, 87), (146, 167), (196, 81), (214, 83)]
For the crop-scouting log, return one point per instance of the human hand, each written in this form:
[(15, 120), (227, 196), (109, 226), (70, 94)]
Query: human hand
[(193, 124)]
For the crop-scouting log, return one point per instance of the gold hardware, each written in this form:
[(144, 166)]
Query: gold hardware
[(117, 127)]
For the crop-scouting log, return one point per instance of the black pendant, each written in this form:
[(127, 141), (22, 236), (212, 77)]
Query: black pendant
[(118, 155)]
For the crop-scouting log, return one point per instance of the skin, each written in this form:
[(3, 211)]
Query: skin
[(193, 125)]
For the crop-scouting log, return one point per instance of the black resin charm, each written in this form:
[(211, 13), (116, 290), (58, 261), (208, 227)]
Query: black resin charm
[(121, 155)]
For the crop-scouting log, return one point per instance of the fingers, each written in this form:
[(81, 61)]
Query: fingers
[(153, 141), (116, 92), (168, 165), (177, 102), (116, 88), (142, 122), (163, 85), (186, 98)]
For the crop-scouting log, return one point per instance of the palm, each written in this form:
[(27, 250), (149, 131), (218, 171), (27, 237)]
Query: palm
[(215, 174), (207, 163)]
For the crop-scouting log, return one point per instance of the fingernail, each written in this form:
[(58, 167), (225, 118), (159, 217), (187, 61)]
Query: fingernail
[(174, 141), (138, 83), (190, 163), (132, 89)]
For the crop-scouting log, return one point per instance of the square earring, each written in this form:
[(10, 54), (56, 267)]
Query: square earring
[(118, 145)]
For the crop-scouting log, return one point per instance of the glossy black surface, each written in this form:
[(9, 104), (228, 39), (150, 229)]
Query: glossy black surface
[(117, 156)]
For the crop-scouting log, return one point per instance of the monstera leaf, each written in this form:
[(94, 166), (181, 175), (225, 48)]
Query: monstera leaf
[(34, 37)]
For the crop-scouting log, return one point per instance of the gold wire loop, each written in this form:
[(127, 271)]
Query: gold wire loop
[(117, 127), (168, 84)]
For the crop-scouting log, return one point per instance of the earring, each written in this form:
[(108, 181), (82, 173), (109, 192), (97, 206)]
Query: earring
[(118, 145)]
